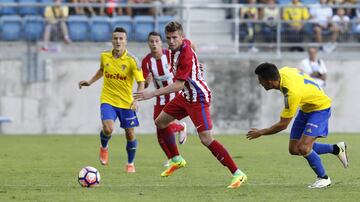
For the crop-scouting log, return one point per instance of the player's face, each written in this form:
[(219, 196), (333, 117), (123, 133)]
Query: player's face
[(265, 83), (119, 41), (155, 44), (174, 40)]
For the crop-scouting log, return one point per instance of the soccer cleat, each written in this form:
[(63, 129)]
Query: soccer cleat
[(320, 183), (183, 134), (130, 168), (343, 154), (172, 167), (237, 180), (104, 156)]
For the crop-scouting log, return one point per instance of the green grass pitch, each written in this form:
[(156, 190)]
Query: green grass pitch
[(45, 168)]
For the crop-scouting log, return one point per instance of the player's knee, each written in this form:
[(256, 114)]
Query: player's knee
[(206, 139), (160, 124), (294, 151), (107, 130), (304, 149)]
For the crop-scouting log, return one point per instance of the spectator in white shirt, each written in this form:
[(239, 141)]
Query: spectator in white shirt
[(341, 20), (314, 67), (321, 15)]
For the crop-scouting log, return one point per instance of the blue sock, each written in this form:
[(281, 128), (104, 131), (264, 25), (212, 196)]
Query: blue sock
[(320, 148), (131, 150), (104, 139), (315, 163)]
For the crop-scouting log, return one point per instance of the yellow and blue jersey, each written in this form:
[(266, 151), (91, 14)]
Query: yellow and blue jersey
[(300, 90), (119, 74)]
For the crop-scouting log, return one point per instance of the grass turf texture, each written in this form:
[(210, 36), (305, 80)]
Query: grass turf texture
[(45, 168)]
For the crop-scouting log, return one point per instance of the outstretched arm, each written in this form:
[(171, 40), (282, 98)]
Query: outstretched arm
[(96, 77), (277, 127), (174, 87)]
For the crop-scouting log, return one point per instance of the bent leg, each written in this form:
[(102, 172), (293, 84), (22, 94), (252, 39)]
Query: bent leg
[(305, 149), (166, 134)]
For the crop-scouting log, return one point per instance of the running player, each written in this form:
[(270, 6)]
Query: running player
[(119, 69), (193, 100), (311, 122)]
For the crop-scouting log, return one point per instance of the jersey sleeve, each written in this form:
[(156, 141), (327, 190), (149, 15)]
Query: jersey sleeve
[(144, 67), (291, 104), (137, 71), (184, 65)]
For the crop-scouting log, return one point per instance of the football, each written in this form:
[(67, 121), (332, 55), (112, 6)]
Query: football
[(89, 177)]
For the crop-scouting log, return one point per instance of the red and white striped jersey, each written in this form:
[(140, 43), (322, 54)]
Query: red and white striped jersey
[(186, 67), (161, 71)]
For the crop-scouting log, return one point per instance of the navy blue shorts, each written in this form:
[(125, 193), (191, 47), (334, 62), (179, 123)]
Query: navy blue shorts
[(127, 117), (313, 124)]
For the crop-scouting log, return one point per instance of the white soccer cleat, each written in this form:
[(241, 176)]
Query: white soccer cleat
[(320, 183), (343, 154), (183, 134)]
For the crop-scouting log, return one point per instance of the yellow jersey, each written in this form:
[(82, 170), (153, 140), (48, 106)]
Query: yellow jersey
[(119, 74), (300, 90), (296, 14)]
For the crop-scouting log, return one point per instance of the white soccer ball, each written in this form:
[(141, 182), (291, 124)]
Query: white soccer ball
[(89, 177)]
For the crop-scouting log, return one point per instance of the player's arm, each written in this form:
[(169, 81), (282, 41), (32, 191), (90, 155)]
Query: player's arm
[(97, 76), (174, 87), (277, 127)]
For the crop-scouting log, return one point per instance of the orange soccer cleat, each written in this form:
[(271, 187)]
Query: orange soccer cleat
[(130, 168), (104, 156)]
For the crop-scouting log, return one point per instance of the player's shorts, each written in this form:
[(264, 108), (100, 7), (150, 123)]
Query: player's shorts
[(199, 113), (313, 124), (127, 117), (157, 110)]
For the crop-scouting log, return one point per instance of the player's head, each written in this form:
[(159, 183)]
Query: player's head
[(174, 35), (155, 42), (312, 51), (268, 75), (119, 39)]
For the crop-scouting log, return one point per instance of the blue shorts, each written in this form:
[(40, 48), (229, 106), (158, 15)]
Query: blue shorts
[(313, 124), (127, 117)]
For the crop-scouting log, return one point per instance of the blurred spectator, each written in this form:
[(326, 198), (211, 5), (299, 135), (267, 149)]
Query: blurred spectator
[(342, 21), (229, 13), (294, 29), (321, 15), (89, 10), (167, 11), (142, 11), (270, 13), (55, 16), (112, 9), (314, 67), (249, 13)]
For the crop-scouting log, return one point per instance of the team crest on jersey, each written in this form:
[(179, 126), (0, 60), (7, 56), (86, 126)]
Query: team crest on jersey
[(107, 64), (123, 67)]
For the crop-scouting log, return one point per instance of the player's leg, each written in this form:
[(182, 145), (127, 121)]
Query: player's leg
[(173, 110), (128, 120), (161, 138), (320, 119), (316, 126), (305, 149), (181, 129), (200, 115), (108, 115)]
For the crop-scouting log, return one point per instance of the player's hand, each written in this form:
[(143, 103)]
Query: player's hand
[(253, 133), (134, 105), (84, 83), (143, 95)]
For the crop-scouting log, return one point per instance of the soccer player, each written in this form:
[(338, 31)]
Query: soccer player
[(193, 100), (156, 68), (311, 122), (119, 69)]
